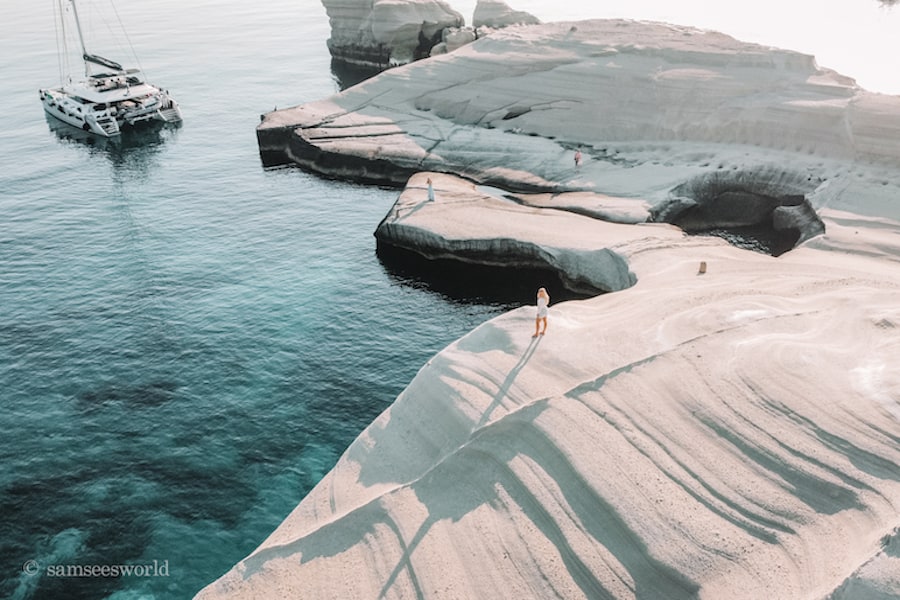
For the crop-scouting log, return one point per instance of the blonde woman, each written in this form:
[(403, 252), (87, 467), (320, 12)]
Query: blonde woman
[(543, 305)]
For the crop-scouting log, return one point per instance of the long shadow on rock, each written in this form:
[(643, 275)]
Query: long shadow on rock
[(485, 478)]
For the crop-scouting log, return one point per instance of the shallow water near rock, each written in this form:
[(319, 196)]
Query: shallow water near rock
[(188, 341)]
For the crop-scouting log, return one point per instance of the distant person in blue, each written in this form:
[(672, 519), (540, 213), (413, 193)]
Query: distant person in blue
[(430, 191), (543, 304)]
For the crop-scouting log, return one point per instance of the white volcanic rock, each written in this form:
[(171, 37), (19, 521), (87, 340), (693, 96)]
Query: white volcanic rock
[(382, 33), (731, 434), (497, 14), (472, 225), (877, 579), (667, 106), (726, 435), (520, 100), (453, 38)]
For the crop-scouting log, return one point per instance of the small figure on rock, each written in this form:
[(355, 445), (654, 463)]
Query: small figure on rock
[(430, 191), (543, 304), (578, 157)]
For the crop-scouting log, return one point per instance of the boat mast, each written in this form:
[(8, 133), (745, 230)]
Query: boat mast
[(84, 52)]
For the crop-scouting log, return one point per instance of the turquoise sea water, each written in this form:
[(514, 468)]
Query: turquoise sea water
[(188, 341)]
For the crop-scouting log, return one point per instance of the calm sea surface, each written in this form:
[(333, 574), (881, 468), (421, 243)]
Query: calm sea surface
[(188, 341)]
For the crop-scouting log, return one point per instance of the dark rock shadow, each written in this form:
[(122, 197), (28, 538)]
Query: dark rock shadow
[(465, 283), (765, 211), (347, 74)]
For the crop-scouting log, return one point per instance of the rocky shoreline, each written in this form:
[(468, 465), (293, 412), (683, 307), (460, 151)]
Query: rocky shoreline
[(724, 425), (459, 114)]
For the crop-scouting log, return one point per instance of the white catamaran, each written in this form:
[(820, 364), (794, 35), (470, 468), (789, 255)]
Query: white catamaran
[(110, 97)]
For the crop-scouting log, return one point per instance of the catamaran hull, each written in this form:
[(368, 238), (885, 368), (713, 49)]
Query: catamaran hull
[(108, 121), (55, 105)]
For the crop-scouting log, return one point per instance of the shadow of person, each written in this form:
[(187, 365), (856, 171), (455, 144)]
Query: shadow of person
[(504, 388), (493, 475)]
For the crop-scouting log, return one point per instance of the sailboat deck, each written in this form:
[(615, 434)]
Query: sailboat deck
[(109, 95)]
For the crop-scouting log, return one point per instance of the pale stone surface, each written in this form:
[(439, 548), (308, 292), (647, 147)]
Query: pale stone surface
[(497, 14), (382, 33), (732, 434), (453, 38), (511, 108), (726, 435), (469, 224)]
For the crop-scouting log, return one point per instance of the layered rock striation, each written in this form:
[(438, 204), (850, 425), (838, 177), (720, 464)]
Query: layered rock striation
[(726, 435), (691, 112), (466, 224), (729, 431), (599, 84)]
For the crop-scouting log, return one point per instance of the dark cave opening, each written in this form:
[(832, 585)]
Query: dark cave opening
[(753, 211)]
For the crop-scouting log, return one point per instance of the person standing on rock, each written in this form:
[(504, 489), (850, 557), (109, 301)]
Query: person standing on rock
[(543, 304), (578, 157), (430, 191)]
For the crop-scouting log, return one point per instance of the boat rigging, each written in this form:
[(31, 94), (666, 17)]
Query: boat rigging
[(110, 98)]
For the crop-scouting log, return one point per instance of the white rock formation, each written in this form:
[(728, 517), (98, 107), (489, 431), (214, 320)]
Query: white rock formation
[(511, 107), (726, 435), (453, 38), (731, 434), (497, 14), (466, 224), (383, 33)]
